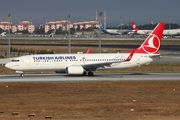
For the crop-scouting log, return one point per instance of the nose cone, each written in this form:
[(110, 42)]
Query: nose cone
[(8, 65)]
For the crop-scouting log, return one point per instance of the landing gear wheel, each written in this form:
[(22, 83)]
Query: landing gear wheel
[(84, 73), (90, 73), (22, 75)]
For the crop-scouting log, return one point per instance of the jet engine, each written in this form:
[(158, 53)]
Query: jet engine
[(74, 70)]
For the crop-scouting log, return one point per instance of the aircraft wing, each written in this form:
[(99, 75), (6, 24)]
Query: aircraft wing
[(94, 66)]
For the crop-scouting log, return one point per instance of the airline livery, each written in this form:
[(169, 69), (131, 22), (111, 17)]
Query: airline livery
[(114, 31), (85, 64), (140, 32), (170, 32)]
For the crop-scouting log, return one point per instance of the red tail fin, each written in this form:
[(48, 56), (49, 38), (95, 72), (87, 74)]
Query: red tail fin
[(152, 42), (134, 27)]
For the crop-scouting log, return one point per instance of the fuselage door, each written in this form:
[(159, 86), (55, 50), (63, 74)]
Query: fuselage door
[(27, 61)]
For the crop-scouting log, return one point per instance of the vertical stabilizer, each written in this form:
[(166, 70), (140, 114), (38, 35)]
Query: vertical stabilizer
[(152, 43), (134, 27)]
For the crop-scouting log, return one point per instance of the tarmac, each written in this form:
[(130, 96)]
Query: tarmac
[(97, 77)]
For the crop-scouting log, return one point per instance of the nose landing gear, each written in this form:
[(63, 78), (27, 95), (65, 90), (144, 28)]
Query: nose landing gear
[(21, 73)]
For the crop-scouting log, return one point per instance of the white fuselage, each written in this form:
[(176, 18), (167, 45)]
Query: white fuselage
[(144, 32), (111, 31), (170, 32), (115, 31), (59, 62)]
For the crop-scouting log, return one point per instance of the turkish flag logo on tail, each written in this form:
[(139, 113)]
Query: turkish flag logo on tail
[(152, 44)]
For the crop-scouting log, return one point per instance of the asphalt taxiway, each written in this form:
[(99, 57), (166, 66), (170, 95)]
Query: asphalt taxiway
[(96, 77)]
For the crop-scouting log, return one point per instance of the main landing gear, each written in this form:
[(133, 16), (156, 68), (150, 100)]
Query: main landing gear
[(22, 74), (90, 73)]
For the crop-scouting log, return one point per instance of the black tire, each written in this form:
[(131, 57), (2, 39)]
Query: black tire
[(90, 73), (84, 73)]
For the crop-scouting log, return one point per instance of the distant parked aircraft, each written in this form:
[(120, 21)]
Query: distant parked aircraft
[(139, 32), (114, 31), (166, 32), (3, 34)]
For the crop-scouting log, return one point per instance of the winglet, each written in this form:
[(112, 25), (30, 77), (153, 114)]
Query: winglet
[(130, 56), (88, 51)]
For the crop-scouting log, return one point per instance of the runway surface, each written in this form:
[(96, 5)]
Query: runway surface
[(96, 77)]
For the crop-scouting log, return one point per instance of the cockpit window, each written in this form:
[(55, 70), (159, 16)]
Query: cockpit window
[(15, 61)]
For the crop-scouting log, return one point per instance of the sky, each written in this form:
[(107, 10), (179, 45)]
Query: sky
[(139, 11)]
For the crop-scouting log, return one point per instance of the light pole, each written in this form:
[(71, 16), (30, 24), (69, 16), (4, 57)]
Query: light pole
[(75, 26), (121, 22), (31, 26), (69, 41), (169, 22), (99, 18), (9, 51)]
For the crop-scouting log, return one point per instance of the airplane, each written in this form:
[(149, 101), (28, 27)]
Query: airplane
[(139, 32), (114, 31), (3, 34), (166, 32), (85, 64)]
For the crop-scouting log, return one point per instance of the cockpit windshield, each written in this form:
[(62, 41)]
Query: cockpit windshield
[(14, 60)]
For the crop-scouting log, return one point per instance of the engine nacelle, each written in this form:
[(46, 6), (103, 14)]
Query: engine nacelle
[(74, 70)]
